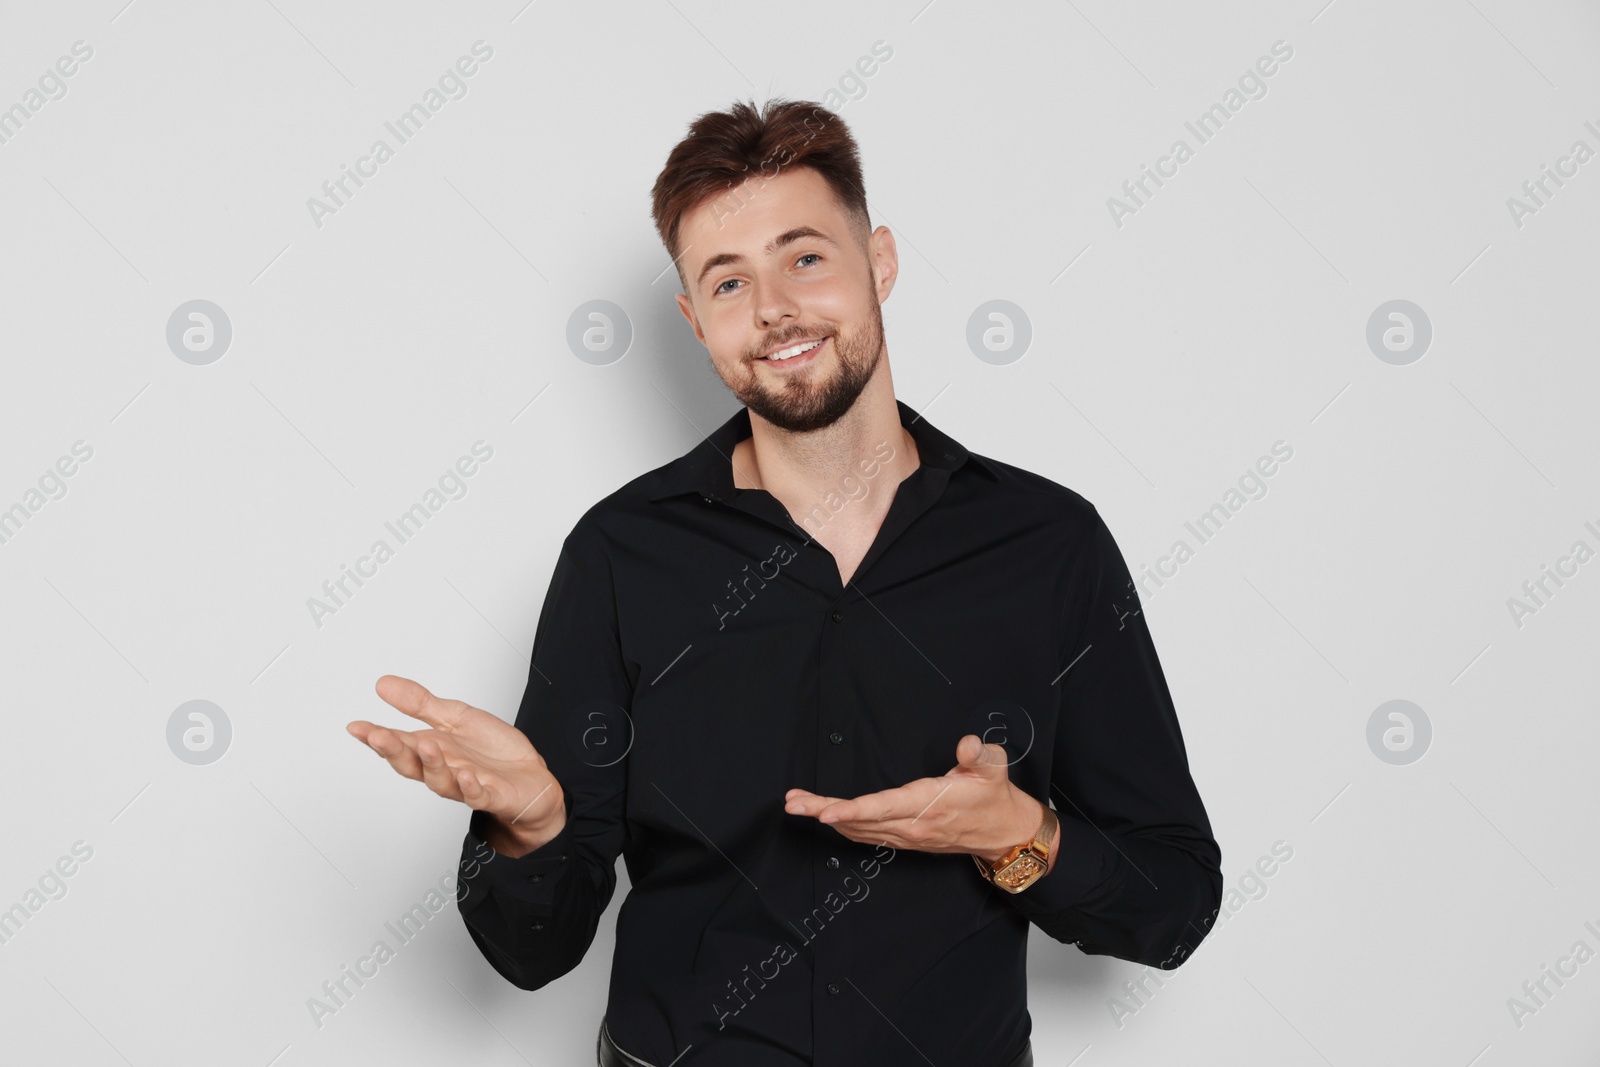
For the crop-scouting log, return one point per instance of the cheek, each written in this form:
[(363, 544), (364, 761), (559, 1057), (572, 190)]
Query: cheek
[(728, 341), (843, 300)]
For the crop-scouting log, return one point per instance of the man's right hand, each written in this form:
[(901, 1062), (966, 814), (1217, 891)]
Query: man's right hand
[(472, 756)]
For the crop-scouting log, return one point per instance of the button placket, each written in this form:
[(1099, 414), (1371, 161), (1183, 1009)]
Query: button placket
[(832, 953)]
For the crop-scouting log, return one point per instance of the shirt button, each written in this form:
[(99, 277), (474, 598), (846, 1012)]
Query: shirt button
[(833, 863), (838, 616), (833, 990), (535, 877), (836, 737), (538, 926)]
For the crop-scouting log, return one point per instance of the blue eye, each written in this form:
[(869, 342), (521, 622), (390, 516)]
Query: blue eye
[(734, 281)]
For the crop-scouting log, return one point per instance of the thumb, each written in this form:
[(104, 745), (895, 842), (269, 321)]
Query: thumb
[(415, 700), (973, 754)]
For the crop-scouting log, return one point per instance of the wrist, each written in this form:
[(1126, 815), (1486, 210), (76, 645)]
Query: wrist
[(1030, 814), (513, 837), (514, 840)]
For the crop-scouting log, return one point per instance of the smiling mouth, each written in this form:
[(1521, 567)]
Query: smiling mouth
[(802, 348)]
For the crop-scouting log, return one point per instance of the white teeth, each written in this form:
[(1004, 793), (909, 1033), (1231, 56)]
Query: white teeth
[(790, 353)]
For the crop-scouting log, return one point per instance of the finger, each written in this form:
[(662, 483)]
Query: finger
[(393, 746), (487, 792), (474, 793), (386, 742), (414, 699), (437, 774), (804, 803), (362, 730), (906, 803), (863, 809)]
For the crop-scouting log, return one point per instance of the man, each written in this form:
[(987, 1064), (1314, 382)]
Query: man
[(922, 711)]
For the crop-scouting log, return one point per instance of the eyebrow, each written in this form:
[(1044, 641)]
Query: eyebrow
[(787, 237)]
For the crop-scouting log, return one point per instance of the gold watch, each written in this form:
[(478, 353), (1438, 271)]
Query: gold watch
[(1024, 864)]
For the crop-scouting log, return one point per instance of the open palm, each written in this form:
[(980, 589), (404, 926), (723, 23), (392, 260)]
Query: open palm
[(467, 754)]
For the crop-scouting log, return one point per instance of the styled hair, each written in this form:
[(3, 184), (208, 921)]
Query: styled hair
[(724, 148)]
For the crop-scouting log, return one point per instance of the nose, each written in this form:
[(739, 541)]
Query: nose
[(774, 304)]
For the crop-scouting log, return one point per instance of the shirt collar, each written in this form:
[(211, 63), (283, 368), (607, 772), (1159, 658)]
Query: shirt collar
[(707, 468)]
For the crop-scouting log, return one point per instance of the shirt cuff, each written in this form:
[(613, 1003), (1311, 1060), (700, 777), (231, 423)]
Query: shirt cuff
[(1085, 861), (532, 877)]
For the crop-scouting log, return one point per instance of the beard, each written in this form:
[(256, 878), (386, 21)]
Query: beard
[(803, 402)]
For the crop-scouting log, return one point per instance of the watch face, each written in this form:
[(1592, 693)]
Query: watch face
[(1024, 869)]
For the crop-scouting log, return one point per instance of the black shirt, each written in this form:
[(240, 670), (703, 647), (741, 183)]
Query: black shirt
[(697, 657)]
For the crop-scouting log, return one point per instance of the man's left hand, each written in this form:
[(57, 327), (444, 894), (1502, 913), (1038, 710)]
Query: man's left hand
[(974, 808)]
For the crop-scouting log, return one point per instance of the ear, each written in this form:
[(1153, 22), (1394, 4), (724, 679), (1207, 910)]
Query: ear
[(885, 261), (687, 308)]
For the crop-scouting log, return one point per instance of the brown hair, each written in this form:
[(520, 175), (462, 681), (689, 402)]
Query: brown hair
[(725, 148)]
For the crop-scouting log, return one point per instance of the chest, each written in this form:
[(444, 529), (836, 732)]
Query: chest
[(848, 543), (769, 670)]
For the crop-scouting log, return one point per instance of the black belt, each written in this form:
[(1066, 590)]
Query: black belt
[(607, 1054)]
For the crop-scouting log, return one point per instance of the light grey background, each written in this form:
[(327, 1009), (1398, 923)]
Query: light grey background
[(1167, 354)]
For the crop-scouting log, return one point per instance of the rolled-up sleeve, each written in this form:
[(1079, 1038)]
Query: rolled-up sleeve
[(534, 916), (1138, 872)]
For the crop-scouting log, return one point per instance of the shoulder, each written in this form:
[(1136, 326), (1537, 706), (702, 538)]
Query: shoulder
[(624, 511), (1036, 497)]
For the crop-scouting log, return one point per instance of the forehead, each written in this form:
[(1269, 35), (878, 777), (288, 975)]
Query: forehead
[(756, 210)]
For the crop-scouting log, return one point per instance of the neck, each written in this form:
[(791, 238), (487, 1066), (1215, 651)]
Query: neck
[(809, 466)]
